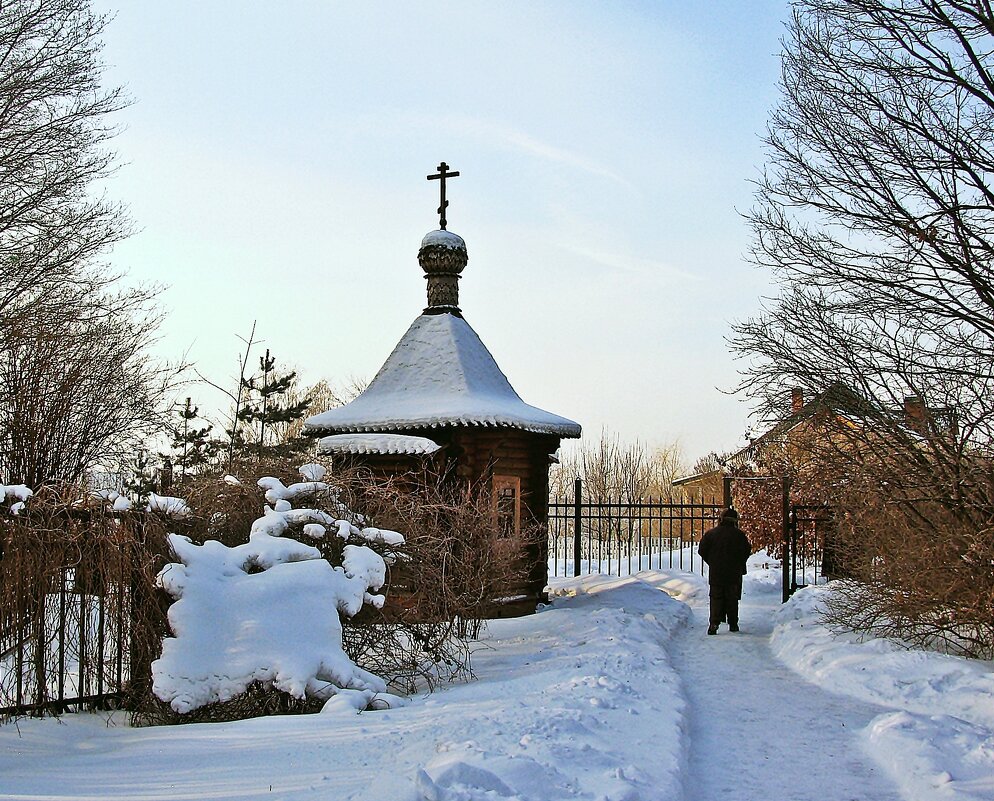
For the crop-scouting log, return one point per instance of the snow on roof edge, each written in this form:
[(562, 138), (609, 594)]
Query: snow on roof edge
[(377, 443), (567, 430)]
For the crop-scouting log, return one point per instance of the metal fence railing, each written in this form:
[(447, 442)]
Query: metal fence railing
[(79, 617), (617, 536)]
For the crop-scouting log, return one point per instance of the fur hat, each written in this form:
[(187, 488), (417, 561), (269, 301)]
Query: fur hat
[(730, 514)]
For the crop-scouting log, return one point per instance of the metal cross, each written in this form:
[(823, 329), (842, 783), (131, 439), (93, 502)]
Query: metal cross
[(443, 173)]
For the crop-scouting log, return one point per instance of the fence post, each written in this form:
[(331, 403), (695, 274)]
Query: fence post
[(726, 492), (787, 554), (577, 490)]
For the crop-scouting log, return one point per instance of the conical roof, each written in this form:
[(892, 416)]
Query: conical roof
[(439, 374)]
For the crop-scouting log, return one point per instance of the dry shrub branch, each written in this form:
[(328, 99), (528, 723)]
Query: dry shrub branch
[(920, 553)]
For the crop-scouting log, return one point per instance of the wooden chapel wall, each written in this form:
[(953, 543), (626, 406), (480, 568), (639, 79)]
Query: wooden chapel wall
[(476, 454), (489, 452)]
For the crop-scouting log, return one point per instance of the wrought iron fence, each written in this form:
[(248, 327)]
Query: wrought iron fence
[(620, 537), (77, 612), (811, 551)]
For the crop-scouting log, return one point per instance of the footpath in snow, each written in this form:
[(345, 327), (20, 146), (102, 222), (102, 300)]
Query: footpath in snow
[(756, 729), (613, 693)]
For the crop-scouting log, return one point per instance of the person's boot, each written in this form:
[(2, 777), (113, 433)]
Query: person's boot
[(712, 629), (733, 626)]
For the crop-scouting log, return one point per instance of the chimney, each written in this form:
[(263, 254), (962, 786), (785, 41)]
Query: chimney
[(796, 400), (914, 414)]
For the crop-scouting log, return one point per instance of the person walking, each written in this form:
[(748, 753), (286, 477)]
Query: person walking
[(725, 549)]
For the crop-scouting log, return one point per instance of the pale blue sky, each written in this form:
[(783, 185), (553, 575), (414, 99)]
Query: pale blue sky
[(275, 158)]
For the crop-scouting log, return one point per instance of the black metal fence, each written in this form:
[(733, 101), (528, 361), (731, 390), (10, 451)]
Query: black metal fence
[(621, 537), (810, 554), (77, 613)]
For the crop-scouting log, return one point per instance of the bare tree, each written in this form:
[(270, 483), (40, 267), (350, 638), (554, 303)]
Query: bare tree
[(76, 385), (610, 468), (53, 128), (876, 216), (77, 390), (876, 212)]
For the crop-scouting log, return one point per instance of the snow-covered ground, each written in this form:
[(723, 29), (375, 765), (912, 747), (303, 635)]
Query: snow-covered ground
[(613, 692)]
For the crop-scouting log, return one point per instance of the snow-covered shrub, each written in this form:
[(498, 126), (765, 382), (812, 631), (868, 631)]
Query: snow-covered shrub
[(439, 586), (167, 505), (16, 495), (16, 492), (267, 612)]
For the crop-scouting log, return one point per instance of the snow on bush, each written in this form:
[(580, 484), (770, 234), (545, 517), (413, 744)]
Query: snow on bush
[(268, 610), (167, 505), (117, 501), (19, 491)]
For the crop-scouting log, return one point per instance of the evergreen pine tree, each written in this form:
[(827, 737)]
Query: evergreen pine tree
[(267, 404), (142, 482), (192, 445)]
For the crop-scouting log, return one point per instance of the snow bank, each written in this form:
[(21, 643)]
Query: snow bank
[(467, 772), (581, 691), (762, 574), (941, 745), (934, 757), (578, 702), (918, 681)]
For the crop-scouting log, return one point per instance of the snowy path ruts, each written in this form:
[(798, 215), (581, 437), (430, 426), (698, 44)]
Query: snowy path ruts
[(759, 731)]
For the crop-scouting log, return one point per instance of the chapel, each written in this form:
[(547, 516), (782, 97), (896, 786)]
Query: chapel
[(441, 399)]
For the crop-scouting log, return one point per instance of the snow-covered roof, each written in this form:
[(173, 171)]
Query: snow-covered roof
[(439, 374), (377, 443)]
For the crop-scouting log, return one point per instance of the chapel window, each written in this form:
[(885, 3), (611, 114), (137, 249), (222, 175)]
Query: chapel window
[(507, 503)]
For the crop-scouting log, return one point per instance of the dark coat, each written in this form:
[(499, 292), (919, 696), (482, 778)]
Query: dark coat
[(725, 548)]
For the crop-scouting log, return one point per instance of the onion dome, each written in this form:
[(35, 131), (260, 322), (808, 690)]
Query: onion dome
[(442, 256)]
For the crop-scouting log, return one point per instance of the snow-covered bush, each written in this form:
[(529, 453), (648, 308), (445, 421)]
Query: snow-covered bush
[(267, 612), (168, 506), (439, 585)]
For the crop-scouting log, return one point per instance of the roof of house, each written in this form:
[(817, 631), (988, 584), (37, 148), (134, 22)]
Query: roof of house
[(439, 374), (837, 398)]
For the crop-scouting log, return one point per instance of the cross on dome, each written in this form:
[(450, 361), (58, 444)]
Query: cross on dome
[(443, 173)]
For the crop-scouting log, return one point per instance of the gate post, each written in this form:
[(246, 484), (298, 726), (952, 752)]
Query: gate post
[(726, 492), (785, 556), (577, 489)]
